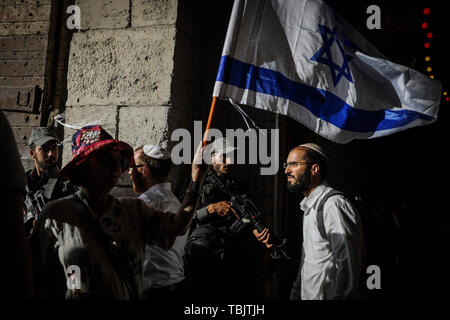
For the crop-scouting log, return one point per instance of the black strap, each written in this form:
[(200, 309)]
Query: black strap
[(319, 217), (49, 188), (296, 286)]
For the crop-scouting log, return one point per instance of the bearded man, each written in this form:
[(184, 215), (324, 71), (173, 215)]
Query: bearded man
[(163, 269), (43, 183), (332, 232)]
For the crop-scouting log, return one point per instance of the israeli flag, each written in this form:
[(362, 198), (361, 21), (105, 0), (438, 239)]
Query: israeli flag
[(300, 59)]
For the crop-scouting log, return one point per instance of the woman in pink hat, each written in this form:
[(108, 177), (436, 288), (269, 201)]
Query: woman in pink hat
[(91, 245)]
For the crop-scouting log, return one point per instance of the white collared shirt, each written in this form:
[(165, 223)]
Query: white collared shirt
[(163, 268), (331, 267)]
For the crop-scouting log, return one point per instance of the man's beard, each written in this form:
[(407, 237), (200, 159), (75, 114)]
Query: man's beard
[(218, 169), (301, 184), (139, 184), (46, 166)]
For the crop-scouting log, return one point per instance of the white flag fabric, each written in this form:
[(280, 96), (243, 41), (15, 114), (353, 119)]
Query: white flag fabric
[(301, 59)]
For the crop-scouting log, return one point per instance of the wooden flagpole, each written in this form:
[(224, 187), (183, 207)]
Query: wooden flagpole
[(208, 124)]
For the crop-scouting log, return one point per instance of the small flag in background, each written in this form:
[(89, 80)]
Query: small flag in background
[(301, 59)]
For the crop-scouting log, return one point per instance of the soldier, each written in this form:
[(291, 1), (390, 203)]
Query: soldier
[(214, 251), (214, 200), (43, 184)]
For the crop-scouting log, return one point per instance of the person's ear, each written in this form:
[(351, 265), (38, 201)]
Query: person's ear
[(146, 172), (32, 154), (315, 169)]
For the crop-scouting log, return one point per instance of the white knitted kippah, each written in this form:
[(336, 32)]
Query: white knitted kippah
[(316, 148), (156, 152)]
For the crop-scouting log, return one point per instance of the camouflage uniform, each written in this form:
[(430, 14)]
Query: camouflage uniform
[(42, 189), (47, 187)]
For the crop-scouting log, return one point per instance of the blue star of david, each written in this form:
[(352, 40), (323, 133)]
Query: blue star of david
[(337, 72)]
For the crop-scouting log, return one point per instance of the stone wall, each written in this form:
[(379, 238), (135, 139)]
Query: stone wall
[(27, 53), (121, 72)]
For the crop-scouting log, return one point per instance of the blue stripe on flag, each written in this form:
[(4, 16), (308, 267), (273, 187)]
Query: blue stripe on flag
[(321, 103)]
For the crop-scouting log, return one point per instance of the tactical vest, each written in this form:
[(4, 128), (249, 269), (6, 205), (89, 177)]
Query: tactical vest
[(40, 191)]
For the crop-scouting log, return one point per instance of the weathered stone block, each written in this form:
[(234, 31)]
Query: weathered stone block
[(143, 125), (103, 115), (105, 14), (152, 12), (121, 67)]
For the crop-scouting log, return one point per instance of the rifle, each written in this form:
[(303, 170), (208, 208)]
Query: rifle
[(249, 213), (34, 203)]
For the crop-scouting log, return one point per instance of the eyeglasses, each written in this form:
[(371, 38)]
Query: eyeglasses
[(296, 163)]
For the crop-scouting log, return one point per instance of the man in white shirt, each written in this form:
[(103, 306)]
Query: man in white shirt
[(332, 235), (163, 270)]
